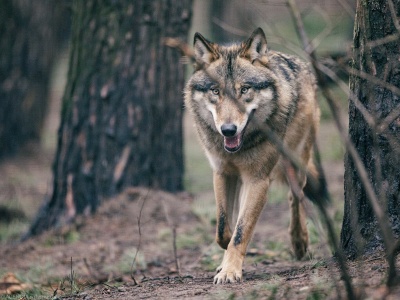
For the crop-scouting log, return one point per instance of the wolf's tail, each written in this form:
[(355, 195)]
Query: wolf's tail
[(316, 188)]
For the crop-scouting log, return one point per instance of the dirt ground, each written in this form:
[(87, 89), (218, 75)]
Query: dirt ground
[(147, 244)]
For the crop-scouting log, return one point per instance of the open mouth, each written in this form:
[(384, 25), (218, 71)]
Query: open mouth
[(234, 143)]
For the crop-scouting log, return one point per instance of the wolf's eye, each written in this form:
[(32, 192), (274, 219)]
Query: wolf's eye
[(215, 91), (244, 90)]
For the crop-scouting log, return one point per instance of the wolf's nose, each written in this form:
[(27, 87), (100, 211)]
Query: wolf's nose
[(228, 129)]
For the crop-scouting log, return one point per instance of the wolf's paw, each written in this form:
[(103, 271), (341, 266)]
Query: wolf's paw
[(299, 239), (300, 245), (229, 272), (228, 276), (300, 249)]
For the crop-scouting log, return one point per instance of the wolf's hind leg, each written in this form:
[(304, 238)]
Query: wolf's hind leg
[(298, 227)]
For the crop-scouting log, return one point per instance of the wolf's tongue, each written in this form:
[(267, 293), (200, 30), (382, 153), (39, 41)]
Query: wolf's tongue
[(232, 142)]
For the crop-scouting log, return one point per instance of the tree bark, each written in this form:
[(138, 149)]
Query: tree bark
[(122, 108), (376, 20), (31, 34)]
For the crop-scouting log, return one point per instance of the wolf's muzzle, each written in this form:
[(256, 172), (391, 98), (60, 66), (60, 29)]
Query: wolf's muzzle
[(233, 140)]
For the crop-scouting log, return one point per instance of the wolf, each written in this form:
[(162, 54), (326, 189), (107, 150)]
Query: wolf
[(238, 95)]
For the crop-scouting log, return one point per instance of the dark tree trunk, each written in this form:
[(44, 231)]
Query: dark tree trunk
[(122, 108), (378, 147), (31, 34)]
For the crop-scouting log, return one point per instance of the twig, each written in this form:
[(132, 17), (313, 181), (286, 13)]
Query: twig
[(325, 32), (140, 237), (180, 45), (177, 265), (387, 233), (173, 228), (394, 89), (394, 16), (293, 181), (229, 28), (96, 276), (305, 41), (167, 278), (380, 126), (387, 39), (346, 6), (71, 277)]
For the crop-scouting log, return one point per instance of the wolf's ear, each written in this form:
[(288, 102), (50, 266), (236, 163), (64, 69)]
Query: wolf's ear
[(256, 46), (204, 50)]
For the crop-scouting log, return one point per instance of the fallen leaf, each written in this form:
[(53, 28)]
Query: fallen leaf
[(10, 284)]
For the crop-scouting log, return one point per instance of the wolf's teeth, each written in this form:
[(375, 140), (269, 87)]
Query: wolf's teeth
[(232, 142)]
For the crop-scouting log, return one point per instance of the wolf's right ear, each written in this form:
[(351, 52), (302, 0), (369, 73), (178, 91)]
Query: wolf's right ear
[(256, 47), (204, 51)]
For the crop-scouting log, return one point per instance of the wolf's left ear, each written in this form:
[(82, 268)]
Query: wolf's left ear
[(256, 46), (204, 51)]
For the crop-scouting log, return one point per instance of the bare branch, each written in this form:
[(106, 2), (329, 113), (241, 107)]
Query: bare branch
[(347, 7), (380, 126), (357, 103), (173, 229), (390, 118), (387, 233), (140, 236), (304, 38), (229, 28), (383, 41), (394, 89), (394, 16), (325, 32), (180, 45)]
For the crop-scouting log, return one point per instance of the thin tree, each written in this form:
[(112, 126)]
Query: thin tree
[(122, 107)]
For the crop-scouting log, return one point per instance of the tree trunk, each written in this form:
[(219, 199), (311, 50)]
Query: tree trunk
[(378, 147), (31, 34), (122, 108)]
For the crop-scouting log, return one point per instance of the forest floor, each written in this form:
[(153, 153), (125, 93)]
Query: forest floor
[(147, 244), (92, 259)]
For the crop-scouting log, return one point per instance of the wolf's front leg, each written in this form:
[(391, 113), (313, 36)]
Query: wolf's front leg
[(254, 197), (225, 195)]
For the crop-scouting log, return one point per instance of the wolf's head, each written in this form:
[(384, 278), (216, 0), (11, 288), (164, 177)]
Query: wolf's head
[(232, 87)]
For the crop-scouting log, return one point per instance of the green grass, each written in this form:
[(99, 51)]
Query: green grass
[(277, 193), (35, 293), (199, 235), (339, 95), (198, 173), (334, 148), (13, 230), (124, 264), (204, 208), (37, 273), (212, 257), (69, 236), (194, 238)]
